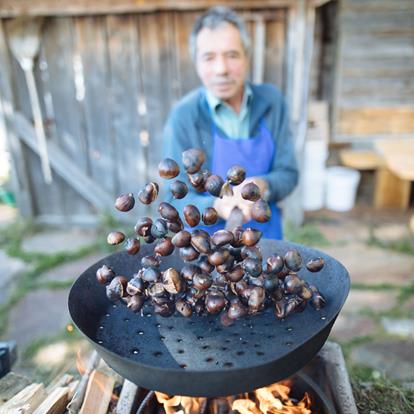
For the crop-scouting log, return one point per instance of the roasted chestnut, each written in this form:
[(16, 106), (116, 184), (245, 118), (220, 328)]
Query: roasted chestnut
[(117, 288), (252, 252), (202, 281), (135, 303), (225, 320), (237, 237), (271, 283), (210, 216), (135, 286), (159, 228), (201, 243), (150, 261), (192, 215), (318, 301), (104, 274), (164, 247), (236, 175), (172, 281), (256, 299), (293, 283), (280, 308), (143, 226), (165, 309), (168, 212), (250, 191), (188, 253), (179, 189), (222, 237), (215, 302), (156, 290), (261, 211), (189, 270), (175, 226), (236, 309), (149, 239), (251, 236), (115, 237), (149, 193), (214, 184), (183, 307), (227, 266), (274, 264), (132, 246), (235, 274), (218, 257), (204, 264), (181, 239), (193, 159), (125, 202), (293, 260), (252, 266), (151, 275), (168, 168), (315, 265)]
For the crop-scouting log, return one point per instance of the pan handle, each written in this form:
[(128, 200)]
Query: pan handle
[(235, 219)]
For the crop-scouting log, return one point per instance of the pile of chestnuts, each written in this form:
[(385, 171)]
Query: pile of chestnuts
[(224, 273)]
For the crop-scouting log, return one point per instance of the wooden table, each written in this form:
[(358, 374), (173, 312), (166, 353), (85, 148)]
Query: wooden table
[(396, 173)]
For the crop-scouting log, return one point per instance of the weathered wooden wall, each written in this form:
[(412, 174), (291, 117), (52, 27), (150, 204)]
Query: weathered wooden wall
[(106, 85), (374, 94)]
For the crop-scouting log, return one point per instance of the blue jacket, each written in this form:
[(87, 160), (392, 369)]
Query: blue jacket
[(189, 125)]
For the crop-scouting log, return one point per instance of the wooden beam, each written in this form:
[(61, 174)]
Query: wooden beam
[(14, 8), (63, 166), (367, 121)]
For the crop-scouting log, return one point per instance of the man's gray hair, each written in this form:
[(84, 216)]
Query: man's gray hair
[(212, 19)]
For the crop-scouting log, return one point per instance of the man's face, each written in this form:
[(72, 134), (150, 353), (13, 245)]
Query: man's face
[(221, 62)]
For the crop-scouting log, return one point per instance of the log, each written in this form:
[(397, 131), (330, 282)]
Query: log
[(26, 401), (55, 403), (127, 398), (98, 393), (76, 402), (62, 381)]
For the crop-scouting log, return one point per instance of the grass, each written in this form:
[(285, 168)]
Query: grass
[(381, 395), (307, 234), (404, 245)]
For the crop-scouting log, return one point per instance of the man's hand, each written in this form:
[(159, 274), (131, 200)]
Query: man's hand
[(225, 205)]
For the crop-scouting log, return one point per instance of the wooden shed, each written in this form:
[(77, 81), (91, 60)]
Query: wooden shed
[(107, 74)]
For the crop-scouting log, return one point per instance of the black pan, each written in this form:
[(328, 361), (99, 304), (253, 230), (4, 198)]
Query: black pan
[(197, 356)]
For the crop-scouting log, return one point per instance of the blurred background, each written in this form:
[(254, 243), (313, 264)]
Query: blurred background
[(85, 89)]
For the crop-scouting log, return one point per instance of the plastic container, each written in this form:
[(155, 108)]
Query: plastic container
[(341, 188), (315, 155), (314, 189)]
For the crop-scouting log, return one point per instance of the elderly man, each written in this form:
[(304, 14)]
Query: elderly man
[(233, 122)]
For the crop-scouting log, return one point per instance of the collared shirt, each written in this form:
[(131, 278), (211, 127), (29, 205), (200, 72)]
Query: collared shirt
[(234, 125)]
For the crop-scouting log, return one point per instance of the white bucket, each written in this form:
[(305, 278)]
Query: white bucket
[(313, 189), (341, 188), (315, 155)]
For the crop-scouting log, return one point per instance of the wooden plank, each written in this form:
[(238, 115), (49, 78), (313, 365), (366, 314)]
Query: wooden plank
[(19, 173), (90, 44), (55, 403), (98, 394), (152, 40), (12, 8), (125, 92), (63, 166), (369, 121), (274, 70), (26, 401), (391, 191)]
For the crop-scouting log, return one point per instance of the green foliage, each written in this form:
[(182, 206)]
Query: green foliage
[(404, 245)]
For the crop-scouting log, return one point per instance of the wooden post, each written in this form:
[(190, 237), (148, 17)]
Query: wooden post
[(19, 175), (301, 21)]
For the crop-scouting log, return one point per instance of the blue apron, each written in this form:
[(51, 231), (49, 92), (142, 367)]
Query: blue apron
[(255, 155)]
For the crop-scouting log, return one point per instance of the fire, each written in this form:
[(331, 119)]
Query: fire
[(273, 399)]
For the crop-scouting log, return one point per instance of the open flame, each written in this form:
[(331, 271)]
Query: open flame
[(273, 399)]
